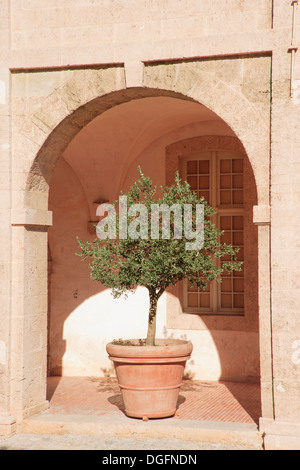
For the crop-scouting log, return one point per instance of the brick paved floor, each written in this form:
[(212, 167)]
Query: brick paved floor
[(209, 401)]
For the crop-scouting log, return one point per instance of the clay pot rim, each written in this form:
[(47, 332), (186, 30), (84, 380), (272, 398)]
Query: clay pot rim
[(167, 347)]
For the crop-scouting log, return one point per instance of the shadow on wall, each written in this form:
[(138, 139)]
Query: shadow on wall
[(81, 310)]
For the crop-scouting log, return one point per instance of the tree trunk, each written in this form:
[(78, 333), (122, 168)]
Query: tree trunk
[(152, 320)]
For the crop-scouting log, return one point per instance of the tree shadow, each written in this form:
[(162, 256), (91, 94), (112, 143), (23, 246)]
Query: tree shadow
[(106, 384)]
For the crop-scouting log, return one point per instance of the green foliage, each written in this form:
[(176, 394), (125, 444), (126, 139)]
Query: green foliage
[(123, 264)]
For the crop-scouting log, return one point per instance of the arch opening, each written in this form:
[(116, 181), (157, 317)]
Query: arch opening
[(98, 144), (100, 161)]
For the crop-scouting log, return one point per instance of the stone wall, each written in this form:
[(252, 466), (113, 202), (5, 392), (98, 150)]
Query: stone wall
[(66, 63), (76, 31)]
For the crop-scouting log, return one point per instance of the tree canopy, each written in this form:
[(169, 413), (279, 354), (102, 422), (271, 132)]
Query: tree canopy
[(124, 262)]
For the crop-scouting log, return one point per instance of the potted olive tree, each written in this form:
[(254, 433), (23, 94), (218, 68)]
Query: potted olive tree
[(155, 242)]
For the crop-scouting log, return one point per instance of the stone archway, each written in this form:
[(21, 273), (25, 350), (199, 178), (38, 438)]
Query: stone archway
[(43, 138), (66, 111)]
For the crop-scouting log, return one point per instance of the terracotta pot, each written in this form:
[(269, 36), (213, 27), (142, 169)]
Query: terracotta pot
[(150, 376)]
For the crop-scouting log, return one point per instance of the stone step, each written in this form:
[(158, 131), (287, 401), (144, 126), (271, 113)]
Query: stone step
[(109, 424)]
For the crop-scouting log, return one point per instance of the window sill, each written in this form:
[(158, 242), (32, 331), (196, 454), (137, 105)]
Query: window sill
[(219, 313)]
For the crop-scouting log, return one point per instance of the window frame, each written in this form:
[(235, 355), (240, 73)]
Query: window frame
[(214, 156)]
